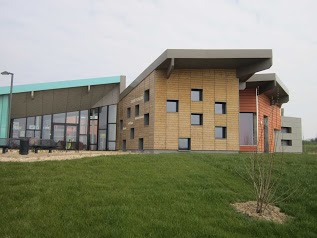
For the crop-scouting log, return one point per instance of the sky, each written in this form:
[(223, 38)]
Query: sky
[(55, 40)]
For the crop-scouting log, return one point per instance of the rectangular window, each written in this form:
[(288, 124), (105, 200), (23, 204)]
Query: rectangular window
[(286, 142), (172, 106), (141, 144), (247, 128), (197, 119), (197, 94), (147, 95), (128, 112), (132, 133), (59, 118), (121, 124), (147, 119), (72, 117), (220, 108), (220, 132), (184, 144), (137, 110), (124, 145), (103, 115), (286, 130)]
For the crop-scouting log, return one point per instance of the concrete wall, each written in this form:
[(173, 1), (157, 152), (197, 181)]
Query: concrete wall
[(64, 100), (295, 136)]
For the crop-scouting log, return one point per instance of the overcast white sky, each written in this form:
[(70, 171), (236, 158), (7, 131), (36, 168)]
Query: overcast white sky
[(54, 40)]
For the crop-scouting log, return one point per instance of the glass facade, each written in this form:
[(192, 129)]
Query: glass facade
[(247, 128), (93, 129)]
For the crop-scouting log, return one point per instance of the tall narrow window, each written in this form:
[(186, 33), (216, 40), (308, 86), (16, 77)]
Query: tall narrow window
[(132, 133), (220, 132), (172, 106), (147, 119), (124, 145), (121, 124), (247, 128), (137, 110), (128, 112), (147, 95), (197, 119), (197, 94), (220, 108), (141, 144)]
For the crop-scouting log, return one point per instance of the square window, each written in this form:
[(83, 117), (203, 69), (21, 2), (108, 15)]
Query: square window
[(197, 119), (147, 119), (197, 94), (220, 132), (147, 95), (132, 133), (184, 144), (172, 106), (137, 110), (220, 108), (128, 112), (141, 144)]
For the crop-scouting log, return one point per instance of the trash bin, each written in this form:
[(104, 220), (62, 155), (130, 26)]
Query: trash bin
[(24, 146)]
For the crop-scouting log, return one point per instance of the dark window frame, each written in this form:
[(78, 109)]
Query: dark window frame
[(146, 95), (171, 101), (223, 108), (224, 132), (286, 129), (137, 110), (188, 142), (200, 96), (201, 119), (146, 119)]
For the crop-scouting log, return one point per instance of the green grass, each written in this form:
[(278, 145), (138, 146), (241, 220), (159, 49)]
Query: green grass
[(310, 147), (167, 195)]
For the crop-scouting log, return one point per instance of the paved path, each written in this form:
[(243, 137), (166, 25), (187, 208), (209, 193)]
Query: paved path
[(14, 156)]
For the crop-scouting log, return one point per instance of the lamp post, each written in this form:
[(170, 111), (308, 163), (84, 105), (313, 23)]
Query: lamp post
[(10, 102)]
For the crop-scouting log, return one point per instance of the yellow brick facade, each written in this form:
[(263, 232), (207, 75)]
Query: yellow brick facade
[(218, 85)]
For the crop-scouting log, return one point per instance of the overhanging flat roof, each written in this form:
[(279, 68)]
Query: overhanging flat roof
[(247, 62), (270, 85), (60, 84)]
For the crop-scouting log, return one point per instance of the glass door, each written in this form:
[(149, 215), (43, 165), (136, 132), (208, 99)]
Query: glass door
[(71, 137), (59, 135)]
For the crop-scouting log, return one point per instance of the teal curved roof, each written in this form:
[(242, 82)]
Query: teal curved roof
[(59, 84)]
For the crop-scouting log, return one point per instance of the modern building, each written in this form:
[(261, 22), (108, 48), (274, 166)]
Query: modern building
[(202, 100), (77, 114), (197, 100), (289, 138)]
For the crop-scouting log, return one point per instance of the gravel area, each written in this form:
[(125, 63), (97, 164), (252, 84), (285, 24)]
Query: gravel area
[(14, 156)]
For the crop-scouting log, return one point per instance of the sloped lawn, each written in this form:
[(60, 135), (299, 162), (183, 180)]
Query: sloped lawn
[(167, 195)]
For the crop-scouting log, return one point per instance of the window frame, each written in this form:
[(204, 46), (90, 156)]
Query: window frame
[(223, 108), (188, 143), (224, 132), (146, 95), (132, 131), (200, 94), (172, 101), (137, 110), (201, 119), (146, 119)]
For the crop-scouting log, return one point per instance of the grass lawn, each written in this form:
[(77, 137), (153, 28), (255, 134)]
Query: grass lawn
[(167, 195), (310, 147)]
